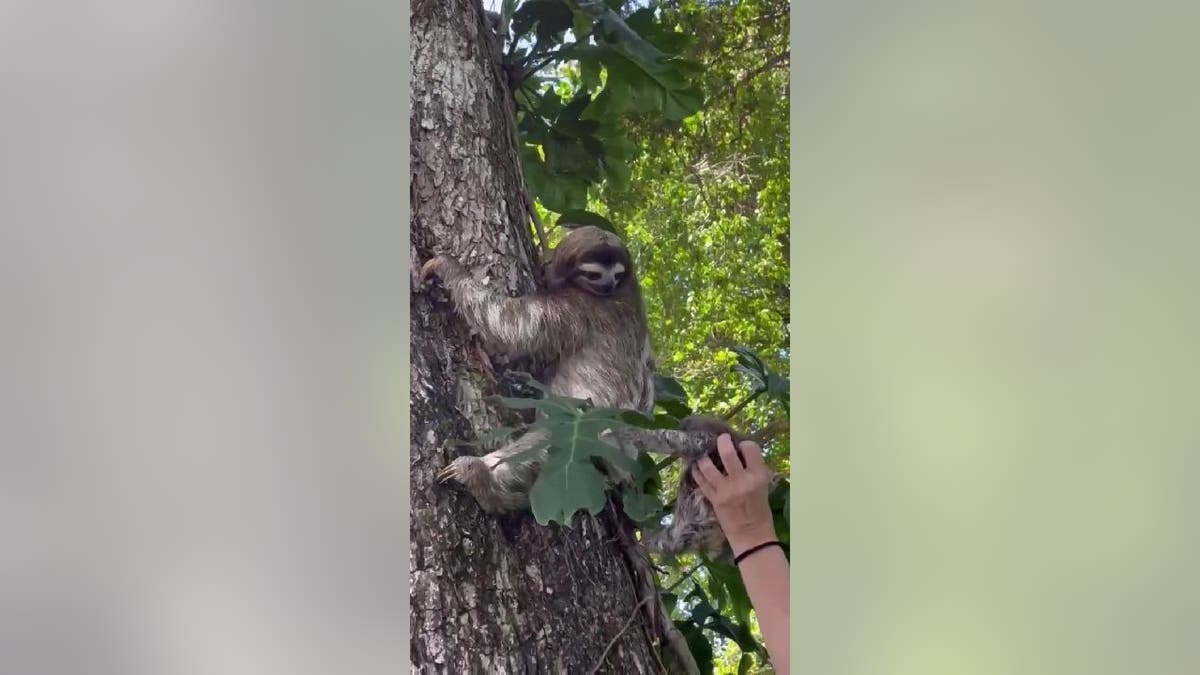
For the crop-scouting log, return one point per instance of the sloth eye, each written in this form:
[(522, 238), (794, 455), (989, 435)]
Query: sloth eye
[(592, 276)]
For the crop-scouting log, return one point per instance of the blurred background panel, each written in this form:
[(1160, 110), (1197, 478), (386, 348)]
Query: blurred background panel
[(996, 264), (201, 205)]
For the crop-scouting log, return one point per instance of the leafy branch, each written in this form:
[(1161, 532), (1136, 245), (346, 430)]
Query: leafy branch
[(571, 134)]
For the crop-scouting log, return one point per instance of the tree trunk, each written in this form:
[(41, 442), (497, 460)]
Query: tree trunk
[(491, 595)]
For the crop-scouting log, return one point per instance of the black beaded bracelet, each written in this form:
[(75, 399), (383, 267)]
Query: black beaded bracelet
[(760, 547)]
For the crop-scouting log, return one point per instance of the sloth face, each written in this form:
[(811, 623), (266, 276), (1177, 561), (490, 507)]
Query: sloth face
[(600, 277)]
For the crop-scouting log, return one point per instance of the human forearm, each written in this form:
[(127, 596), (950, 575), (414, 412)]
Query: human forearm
[(765, 574), (739, 498)]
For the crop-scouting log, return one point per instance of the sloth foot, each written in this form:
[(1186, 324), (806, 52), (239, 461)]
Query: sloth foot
[(461, 470), (474, 476)]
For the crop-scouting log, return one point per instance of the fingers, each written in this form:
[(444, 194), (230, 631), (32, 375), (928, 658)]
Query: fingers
[(710, 472), (753, 455), (729, 455), (706, 488)]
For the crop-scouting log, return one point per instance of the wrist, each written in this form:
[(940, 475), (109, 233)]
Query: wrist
[(748, 538)]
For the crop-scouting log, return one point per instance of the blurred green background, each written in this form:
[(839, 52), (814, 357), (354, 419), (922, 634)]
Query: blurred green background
[(995, 271)]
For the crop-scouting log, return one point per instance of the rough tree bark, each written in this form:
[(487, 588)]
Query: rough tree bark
[(491, 595)]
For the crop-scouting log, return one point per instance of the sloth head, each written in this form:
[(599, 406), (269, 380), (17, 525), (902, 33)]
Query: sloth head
[(593, 260)]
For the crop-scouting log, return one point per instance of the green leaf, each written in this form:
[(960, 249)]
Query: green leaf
[(528, 454), (779, 387), (669, 600), (564, 487), (702, 608), (651, 482), (659, 421), (550, 17), (668, 389), (557, 192), (750, 362), (698, 644), (589, 73), (586, 446), (675, 409), (641, 507), (578, 218), (569, 480), (549, 104), (581, 24), (570, 112), (778, 496), (735, 589), (568, 158), (787, 510), (657, 34), (616, 171)]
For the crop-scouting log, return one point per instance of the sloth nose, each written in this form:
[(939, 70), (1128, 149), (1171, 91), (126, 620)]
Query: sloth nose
[(605, 286)]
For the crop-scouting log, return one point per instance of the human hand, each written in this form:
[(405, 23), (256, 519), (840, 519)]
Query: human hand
[(739, 496)]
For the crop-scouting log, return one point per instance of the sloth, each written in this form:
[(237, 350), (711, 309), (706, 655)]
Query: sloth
[(694, 526), (588, 327)]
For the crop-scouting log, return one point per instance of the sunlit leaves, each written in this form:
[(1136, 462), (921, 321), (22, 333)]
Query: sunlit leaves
[(624, 66)]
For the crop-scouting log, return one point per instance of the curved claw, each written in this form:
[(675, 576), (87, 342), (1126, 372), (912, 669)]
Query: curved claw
[(457, 470), (447, 474)]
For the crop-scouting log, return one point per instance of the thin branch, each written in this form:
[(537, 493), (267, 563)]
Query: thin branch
[(603, 655), (770, 431), (685, 577), (543, 244), (771, 63), (514, 138), (526, 71), (743, 403)]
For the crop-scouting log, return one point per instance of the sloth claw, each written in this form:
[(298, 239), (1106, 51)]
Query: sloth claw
[(458, 470), (448, 474)]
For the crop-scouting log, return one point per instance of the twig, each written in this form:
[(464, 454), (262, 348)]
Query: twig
[(682, 579), (515, 138), (526, 70), (743, 403), (603, 655), (771, 63), (770, 431), (537, 224)]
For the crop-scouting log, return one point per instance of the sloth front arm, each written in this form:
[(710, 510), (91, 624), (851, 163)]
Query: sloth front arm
[(687, 444), (544, 326)]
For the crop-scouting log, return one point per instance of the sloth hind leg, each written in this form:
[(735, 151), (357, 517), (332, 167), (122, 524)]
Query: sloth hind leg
[(693, 529), (500, 481)]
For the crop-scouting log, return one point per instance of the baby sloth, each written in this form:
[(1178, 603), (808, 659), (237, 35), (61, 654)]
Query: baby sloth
[(589, 330), (694, 525)]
